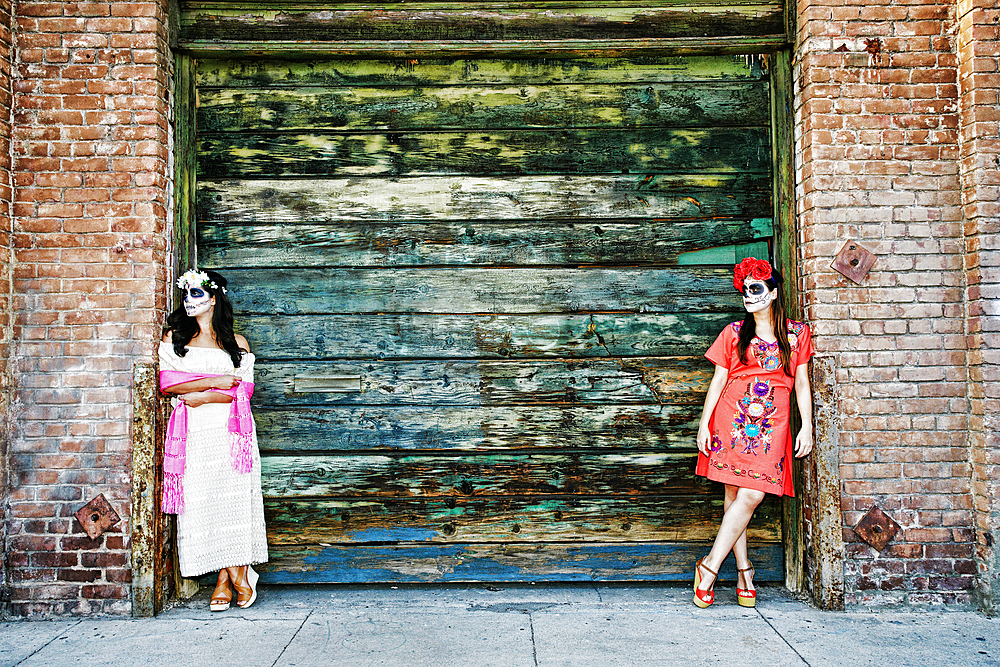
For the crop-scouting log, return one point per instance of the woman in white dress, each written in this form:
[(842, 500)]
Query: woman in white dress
[(212, 464)]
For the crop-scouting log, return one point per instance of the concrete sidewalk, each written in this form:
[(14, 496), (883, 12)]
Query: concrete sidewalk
[(506, 626)]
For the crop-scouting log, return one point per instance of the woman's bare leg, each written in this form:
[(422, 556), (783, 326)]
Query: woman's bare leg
[(733, 530), (740, 548)]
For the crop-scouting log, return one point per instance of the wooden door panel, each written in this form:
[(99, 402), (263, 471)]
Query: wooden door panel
[(470, 243), (439, 198), (390, 428), (407, 562), (485, 290), (443, 22), (646, 381), (480, 293), (487, 152), (526, 519), (371, 476), (261, 75), (401, 108), (428, 335)]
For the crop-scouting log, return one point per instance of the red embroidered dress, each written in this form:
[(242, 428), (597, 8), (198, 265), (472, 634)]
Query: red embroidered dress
[(751, 445)]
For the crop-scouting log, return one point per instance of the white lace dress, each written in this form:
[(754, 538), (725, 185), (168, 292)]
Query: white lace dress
[(222, 524)]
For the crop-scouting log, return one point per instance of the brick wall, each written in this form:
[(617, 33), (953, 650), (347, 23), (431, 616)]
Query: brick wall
[(978, 49), (876, 125), (6, 286), (896, 130), (90, 241)]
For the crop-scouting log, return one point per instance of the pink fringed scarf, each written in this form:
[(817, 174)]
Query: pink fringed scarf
[(175, 454)]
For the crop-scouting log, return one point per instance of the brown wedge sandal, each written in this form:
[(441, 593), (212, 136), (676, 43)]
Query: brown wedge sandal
[(222, 596), (245, 583)]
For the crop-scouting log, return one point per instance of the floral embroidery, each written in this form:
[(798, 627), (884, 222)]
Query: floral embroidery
[(716, 444), (768, 354), (752, 424), (743, 472)]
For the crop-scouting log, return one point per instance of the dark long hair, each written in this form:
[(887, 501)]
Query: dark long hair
[(185, 328), (779, 320)]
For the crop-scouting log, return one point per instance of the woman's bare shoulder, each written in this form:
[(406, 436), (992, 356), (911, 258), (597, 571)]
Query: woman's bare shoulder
[(242, 342), (168, 336)]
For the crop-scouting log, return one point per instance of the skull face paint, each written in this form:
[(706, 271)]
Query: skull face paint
[(197, 301), (757, 296)]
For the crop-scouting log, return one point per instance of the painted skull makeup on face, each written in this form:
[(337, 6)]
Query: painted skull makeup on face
[(757, 295), (196, 301)]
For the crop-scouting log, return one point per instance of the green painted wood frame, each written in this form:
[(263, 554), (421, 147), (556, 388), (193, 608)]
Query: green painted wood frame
[(502, 27), (783, 156), (780, 64), (184, 258)]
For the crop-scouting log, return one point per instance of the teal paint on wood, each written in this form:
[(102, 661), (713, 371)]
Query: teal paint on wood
[(485, 290), (729, 255), (518, 562), (470, 243), (371, 476), (377, 336), (508, 518), (488, 152), (479, 292), (389, 428), (644, 381)]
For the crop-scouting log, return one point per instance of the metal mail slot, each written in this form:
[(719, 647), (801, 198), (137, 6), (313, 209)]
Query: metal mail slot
[(327, 384)]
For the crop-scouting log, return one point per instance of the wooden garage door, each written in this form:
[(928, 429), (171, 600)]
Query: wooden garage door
[(479, 292)]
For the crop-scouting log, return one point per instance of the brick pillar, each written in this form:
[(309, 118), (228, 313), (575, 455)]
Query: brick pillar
[(979, 110), (876, 126), (6, 284), (90, 243)]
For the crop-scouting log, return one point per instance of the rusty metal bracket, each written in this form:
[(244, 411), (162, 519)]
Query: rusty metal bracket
[(97, 517), (876, 528), (853, 261)]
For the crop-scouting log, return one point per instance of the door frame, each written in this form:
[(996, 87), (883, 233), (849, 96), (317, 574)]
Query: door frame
[(778, 49)]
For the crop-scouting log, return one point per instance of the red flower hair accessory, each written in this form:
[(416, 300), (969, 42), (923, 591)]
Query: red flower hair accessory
[(750, 267)]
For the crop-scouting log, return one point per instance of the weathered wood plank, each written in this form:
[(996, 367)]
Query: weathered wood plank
[(484, 428), (645, 381), (486, 153), (441, 198), (380, 336), (460, 24), (497, 563), (634, 106), (524, 243), (269, 73), (510, 518), (405, 49), (477, 290), (424, 475)]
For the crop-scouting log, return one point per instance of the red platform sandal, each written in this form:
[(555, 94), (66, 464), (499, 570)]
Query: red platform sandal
[(703, 598), (745, 596)]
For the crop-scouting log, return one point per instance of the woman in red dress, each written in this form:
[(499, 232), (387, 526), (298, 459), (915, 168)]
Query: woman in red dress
[(744, 436)]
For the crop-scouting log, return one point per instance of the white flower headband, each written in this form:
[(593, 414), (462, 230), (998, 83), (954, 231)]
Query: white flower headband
[(195, 278)]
